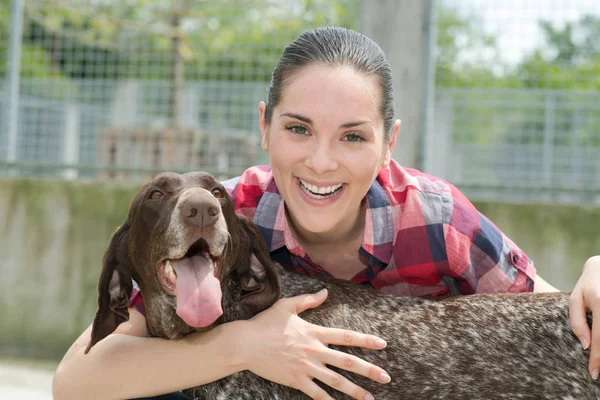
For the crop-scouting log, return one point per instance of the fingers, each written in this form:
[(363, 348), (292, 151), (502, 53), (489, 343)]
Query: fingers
[(314, 391), (594, 365), (341, 384), (358, 366), (579, 325), (304, 302), (344, 337)]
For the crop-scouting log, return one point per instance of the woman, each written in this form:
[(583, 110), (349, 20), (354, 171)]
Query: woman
[(333, 202)]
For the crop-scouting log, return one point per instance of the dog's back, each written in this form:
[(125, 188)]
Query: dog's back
[(500, 346)]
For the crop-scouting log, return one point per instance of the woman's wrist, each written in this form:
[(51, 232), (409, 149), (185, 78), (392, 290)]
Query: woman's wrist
[(238, 344)]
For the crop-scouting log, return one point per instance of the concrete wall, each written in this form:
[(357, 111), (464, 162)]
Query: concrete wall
[(52, 238), (53, 235)]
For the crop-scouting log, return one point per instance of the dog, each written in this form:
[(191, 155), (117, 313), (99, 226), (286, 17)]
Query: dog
[(199, 264)]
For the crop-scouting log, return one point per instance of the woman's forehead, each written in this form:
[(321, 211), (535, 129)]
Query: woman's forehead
[(334, 90)]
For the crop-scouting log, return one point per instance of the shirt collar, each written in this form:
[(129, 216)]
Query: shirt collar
[(379, 230)]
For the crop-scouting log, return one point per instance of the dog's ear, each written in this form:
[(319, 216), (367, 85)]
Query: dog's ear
[(114, 288), (259, 278)]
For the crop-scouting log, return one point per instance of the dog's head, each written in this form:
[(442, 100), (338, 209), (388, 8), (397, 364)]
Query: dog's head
[(187, 248)]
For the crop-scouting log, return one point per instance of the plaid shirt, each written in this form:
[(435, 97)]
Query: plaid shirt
[(422, 236)]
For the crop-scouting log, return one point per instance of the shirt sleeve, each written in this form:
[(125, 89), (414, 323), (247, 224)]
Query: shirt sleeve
[(231, 185), (247, 189), (481, 257), (135, 300)]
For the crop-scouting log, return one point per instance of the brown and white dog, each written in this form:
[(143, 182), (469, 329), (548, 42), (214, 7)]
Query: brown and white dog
[(199, 264)]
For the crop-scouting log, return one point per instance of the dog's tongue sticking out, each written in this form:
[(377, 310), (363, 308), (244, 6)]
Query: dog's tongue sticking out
[(198, 292)]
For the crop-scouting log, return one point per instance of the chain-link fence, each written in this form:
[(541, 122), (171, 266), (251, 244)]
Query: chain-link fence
[(120, 89), (125, 88), (517, 111)]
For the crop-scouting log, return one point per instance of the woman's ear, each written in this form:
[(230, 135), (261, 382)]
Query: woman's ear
[(264, 127), (389, 147)]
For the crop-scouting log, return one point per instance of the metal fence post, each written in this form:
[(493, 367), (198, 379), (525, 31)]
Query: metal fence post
[(426, 152), (71, 140), (578, 173), (13, 79), (548, 147)]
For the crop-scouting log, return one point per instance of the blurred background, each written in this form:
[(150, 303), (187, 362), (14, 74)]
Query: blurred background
[(500, 97)]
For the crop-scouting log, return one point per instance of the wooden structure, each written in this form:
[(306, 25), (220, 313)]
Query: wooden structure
[(139, 153)]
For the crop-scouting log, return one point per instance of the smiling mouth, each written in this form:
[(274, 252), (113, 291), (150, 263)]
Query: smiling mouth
[(192, 279), (320, 193)]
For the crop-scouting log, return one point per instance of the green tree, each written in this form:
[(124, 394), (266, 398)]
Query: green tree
[(35, 61), (569, 58), (217, 40), (465, 55)]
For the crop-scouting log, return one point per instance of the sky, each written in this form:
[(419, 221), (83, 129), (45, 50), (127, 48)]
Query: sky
[(515, 22)]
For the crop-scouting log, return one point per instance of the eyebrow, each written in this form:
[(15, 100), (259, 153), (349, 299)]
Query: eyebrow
[(309, 121)]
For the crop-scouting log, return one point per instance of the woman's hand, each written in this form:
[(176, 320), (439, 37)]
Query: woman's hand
[(586, 297), (284, 348)]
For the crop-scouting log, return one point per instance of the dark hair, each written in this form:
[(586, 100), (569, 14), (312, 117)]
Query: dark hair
[(335, 46)]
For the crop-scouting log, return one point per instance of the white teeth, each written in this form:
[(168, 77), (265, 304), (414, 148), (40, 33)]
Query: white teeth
[(323, 191), (319, 193)]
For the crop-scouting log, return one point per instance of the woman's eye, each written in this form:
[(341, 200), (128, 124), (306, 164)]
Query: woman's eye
[(156, 195), (298, 129), (354, 138), (217, 193)]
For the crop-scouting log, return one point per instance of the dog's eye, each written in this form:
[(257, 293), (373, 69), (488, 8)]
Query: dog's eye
[(217, 193), (156, 195)]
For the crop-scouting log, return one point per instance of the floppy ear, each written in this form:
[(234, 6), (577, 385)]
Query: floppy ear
[(259, 278), (114, 288)]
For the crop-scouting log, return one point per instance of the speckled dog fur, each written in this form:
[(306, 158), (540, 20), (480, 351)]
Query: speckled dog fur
[(500, 346)]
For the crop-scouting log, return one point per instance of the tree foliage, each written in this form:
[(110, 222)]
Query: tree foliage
[(242, 40), (229, 39)]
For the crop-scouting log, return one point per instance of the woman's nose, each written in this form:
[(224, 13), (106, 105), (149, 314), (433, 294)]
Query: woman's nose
[(322, 159)]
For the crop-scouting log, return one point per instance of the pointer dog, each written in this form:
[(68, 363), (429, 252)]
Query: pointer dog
[(199, 264)]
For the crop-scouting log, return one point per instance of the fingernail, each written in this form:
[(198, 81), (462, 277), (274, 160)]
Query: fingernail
[(384, 378), (584, 342), (369, 396), (380, 343), (322, 292), (595, 373)]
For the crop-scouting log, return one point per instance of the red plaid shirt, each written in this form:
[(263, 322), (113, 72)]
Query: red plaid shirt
[(422, 237)]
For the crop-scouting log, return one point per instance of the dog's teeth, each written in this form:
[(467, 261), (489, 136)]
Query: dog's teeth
[(209, 258)]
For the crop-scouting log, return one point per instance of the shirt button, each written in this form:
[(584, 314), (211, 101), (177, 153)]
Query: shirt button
[(515, 257)]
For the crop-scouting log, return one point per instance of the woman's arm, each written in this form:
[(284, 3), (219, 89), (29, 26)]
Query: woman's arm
[(540, 285), (276, 345), (127, 364)]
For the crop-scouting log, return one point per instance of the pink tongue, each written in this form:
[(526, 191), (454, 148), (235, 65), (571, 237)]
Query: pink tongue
[(198, 292)]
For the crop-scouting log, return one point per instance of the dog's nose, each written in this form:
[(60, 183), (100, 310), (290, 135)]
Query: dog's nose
[(200, 209)]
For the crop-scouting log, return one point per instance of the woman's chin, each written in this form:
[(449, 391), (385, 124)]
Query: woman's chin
[(318, 223)]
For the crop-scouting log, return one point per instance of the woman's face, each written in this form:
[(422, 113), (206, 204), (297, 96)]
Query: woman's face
[(326, 145)]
